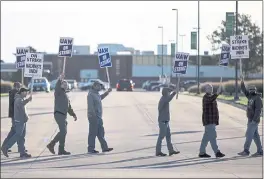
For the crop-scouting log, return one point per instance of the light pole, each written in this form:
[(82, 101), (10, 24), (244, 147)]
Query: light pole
[(198, 91), (177, 27), (161, 27), (236, 83), (176, 46), (183, 35)]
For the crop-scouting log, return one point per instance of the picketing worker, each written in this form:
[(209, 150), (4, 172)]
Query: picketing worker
[(95, 114), (20, 120), (164, 119), (62, 106), (254, 108), (210, 119), (12, 94)]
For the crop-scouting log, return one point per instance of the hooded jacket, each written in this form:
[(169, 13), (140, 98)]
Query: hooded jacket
[(20, 112), (254, 104), (164, 107), (62, 103), (12, 94), (94, 102)]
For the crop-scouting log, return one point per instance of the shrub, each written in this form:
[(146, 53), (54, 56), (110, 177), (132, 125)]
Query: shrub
[(6, 86), (228, 87), (193, 89), (257, 83)]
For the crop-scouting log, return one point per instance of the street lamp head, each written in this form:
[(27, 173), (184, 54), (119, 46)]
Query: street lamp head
[(160, 27), (175, 9)]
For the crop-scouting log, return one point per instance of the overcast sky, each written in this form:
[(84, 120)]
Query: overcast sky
[(133, 24)]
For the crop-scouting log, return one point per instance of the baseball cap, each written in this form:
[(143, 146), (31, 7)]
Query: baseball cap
[(23, 90)]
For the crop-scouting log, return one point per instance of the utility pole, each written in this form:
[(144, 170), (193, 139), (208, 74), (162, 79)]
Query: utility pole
[(161, 27), (236, 85), (198, 80)]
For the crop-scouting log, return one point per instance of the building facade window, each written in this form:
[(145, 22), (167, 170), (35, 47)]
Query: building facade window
[(117, 67)]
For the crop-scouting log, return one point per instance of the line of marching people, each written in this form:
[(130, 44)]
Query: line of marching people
[(62, 106)]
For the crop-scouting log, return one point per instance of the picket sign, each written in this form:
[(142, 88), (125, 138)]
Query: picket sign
[(33, 67), (224, 56), (20, 60), (239, 48), (65, 49), (105, 61), (180, 66)]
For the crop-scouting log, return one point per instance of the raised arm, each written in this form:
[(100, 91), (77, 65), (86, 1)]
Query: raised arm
[(166, 100), (244, 89), (106, 93), (58, 88)]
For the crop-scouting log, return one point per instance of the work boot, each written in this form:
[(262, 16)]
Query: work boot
[(205, 155), (161, 154), (51, 146), (108, 150), (62, 151), (5, 152), (244, 153), (93, 152), (257, 154), (25, 155), (174, 152), (219, 154)]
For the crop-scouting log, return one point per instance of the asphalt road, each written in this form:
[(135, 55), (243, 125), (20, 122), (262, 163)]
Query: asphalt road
[(130, 120)]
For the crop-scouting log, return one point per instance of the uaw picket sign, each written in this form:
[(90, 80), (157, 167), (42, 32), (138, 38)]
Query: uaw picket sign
[(225, 55), (65, 47), (34, 65), (180, 63), (21, 56), (104, 57), (239, 46)]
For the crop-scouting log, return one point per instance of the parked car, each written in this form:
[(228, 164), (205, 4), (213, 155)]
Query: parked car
[(187, 84), (40, 84), (53, 85), (158, 87), (152, 83), (73, 84), (88, 85), (125, 85)]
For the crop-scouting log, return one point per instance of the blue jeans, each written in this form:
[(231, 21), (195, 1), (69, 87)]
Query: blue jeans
[(252, 134), (19, 137), (164, 131), (96, 129), (209, 136), (11, 132)]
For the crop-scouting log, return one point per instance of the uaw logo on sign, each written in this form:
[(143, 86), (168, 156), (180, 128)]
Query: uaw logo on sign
[(21, 56), (180, 63), (239, 46), (104, 57), (66, 46), (225, 55)]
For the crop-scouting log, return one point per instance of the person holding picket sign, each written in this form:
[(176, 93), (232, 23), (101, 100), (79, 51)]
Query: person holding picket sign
[(253, 114), (95, 110), (164, 119), (62, 106), (20, 120), (210, 118)]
